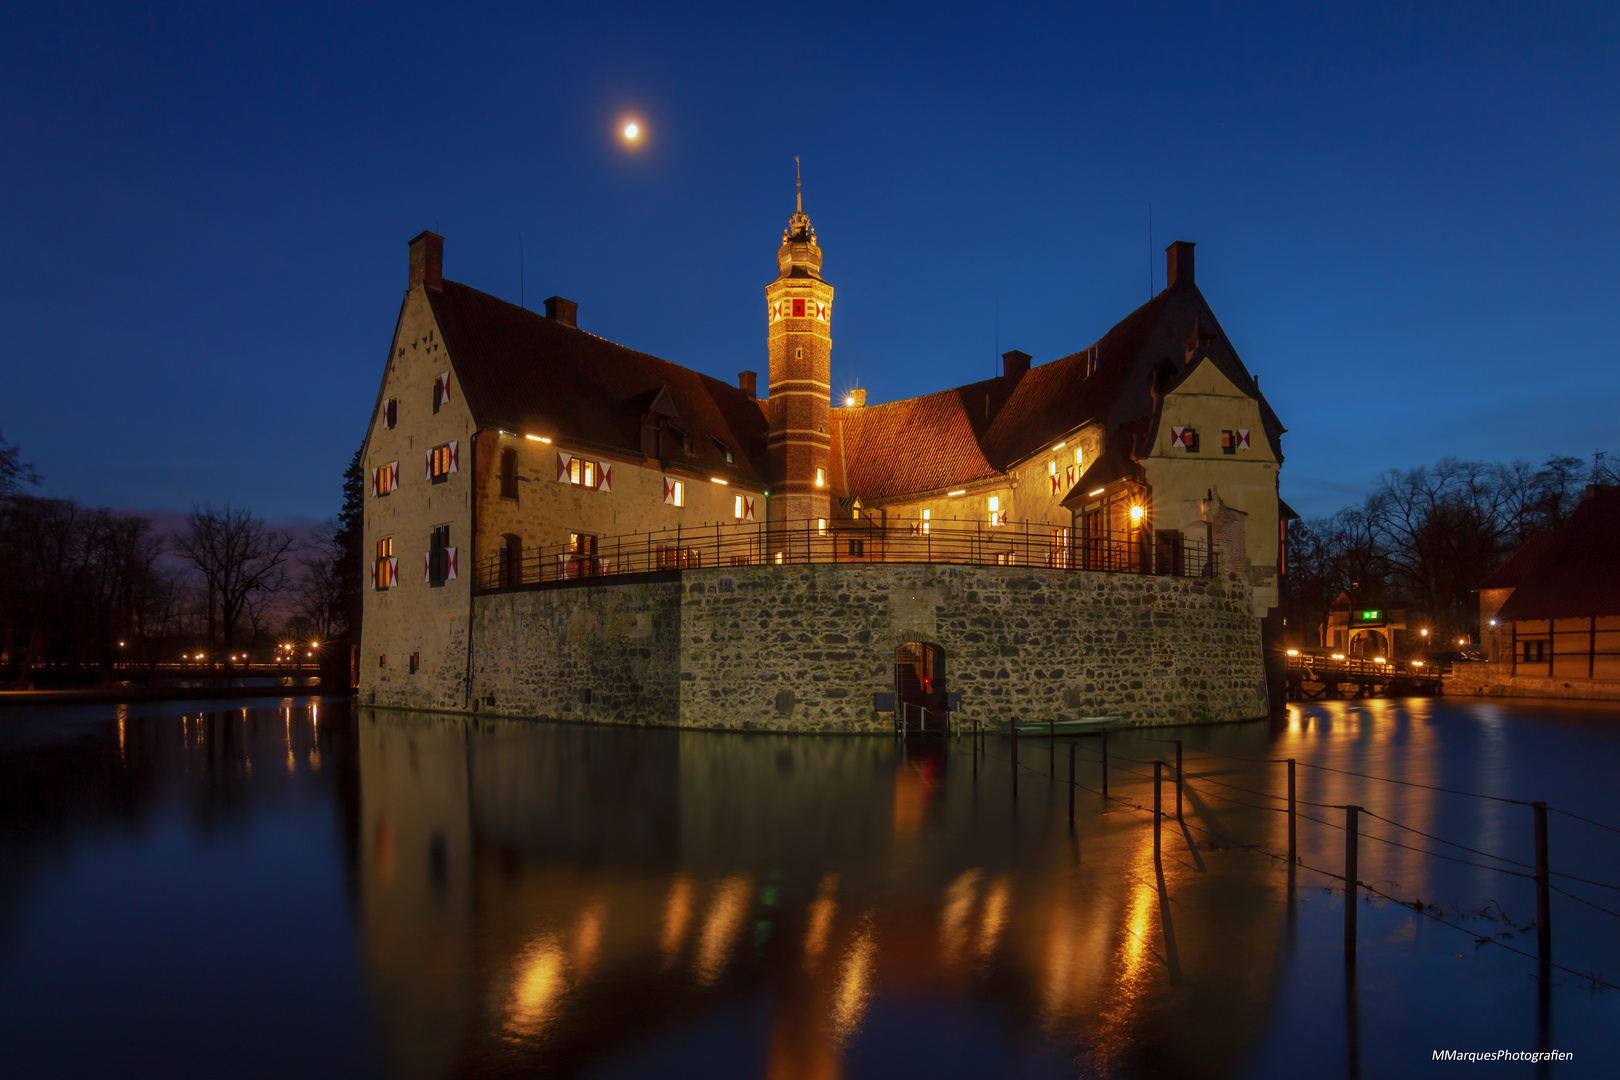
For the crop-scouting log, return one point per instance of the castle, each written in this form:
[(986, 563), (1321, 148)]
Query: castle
[(583, 514)]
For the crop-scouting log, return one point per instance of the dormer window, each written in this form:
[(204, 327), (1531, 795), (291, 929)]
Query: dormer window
[(725, 451)]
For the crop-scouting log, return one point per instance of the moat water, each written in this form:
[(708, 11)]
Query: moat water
[(297, 888)]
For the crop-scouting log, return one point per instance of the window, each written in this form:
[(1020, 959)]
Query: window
[(997, 517), (509, 480), (857, 548), (674, 492), (509, 571), (821, 526), (441, 390), (821, 478), (737, 508), (725, 451), (441, 557), (385, 478), (382, 659), (390, 413), (927, 516), (416, 662), (1535, 652), (441, 462), (1234, 440), (1184, 438), (1051, 467), (1079, 456), (596, 475), (385, 570), (582, 473), (671, 557)]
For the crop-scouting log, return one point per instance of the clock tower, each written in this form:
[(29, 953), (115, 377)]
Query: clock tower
[(798, 306)]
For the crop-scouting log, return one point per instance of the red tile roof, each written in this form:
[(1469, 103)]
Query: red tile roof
[(902, 448), (1578, 573), (1520, 563), (532, 375)]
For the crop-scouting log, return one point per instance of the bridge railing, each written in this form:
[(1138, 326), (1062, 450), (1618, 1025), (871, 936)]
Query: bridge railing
[(1357, 668), (1140, 551)]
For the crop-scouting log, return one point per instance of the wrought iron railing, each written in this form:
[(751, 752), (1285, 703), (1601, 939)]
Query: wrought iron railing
[(1140, 551)]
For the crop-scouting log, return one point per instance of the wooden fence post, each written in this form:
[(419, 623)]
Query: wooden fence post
[(1350, 813), (1293, 842), (1543, 893)]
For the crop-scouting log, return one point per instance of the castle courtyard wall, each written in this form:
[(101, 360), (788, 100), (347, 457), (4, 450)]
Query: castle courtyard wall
[(804, 648)]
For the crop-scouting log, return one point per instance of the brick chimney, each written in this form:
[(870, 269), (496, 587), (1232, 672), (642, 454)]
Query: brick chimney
[(563, 311), (427, 260), (1015, 363), (1178, 262), (748, 383)]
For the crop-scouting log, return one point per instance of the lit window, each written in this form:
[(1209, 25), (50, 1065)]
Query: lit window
[(674, 492), (441, 462), (1079, 456), (737, 511), (821, 526), (416, 662), (996, 516), (821, 478), (927, 514), (385, 571), (778, 558)]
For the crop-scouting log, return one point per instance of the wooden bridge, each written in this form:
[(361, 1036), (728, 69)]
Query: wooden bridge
[(1313, 676)]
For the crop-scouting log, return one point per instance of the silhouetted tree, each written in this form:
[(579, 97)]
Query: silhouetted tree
[(347, 570), (239, 560)]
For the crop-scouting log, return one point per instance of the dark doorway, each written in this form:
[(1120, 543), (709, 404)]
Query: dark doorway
[(919, 684)]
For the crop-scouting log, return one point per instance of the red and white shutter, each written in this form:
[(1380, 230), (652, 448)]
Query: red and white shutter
[(374, 574), (374, 481), (1242, 438), (393, 572), (449, 564), (427, 566), (393, 475), (748, 508), (427, 466), (605, 471), (563, 461), (444, 388), (1055, 481), (669, 490), (455, 457)]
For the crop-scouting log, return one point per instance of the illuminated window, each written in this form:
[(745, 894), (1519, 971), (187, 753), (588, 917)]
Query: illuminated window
[(821, 478), (737, 508), (1051, 468), (778, 558), (996, 516), (382, 659), (442, 461), (674, 492), (821, 526), (416, 662), (385, 478), (1079, 456), (927, 514), (385, 570)]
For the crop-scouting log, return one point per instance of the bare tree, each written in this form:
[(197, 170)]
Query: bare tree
[(241, 561), (320, 590)]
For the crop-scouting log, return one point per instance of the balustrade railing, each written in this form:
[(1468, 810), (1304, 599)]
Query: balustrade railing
[(1140, 551)]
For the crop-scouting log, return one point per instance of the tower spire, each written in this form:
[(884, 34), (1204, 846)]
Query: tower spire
[(798, 183)]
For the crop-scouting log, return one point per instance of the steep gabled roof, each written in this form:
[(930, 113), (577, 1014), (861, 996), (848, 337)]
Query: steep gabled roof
[(529, 374), (1520, 563), (916, 445), (1578, 573)]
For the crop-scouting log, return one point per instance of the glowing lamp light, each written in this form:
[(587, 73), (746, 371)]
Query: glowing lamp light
[(1099, 491), (1136, 515), (632, 131), (1462, 641), (850, 401), (538, 438), (1493, 623), (1379, 660), (1293, 652), (1059, 446), (1425, 632), (717, 480), (314, 644), (952, 494), (121, 644), (1417, 663), (1338, 656)]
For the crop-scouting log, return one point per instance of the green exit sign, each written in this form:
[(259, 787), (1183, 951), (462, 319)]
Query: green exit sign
[(1370, 616)]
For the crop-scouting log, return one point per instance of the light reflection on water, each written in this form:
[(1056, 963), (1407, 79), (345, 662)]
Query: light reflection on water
[(552, 898)]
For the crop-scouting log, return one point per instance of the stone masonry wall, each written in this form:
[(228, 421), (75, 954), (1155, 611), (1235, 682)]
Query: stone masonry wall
[(804, 648)]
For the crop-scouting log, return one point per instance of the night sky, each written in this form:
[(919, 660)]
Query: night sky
[(1407, 222)]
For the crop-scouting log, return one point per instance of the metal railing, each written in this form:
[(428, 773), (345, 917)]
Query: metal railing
[(1138, 551)]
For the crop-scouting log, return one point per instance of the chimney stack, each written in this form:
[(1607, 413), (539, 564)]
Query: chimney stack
[(1178, 263), (563, 311), (1015, 363), (427, 260), (748, 383)]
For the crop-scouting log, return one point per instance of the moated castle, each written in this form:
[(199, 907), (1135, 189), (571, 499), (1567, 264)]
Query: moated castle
[(560, 526)]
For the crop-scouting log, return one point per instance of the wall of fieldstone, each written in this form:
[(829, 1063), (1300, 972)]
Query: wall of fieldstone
[(804, 648)]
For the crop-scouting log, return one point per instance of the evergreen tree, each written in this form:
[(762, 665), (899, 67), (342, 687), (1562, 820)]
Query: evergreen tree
[(348, 537)]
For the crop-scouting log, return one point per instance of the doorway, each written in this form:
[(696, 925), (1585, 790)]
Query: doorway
[(919, 685)]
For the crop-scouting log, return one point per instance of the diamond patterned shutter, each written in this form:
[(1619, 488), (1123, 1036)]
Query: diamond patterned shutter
[(748, 508), (1243, 438), (1055, 482), (449, 564), (427, 467), (393, 475), (444, 388), (669, 490), (393, 572), (563, 461), (374, 574), (374, 481), (427, 566), (605, 471), (455, 457)]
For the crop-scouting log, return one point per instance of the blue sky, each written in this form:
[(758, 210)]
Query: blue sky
[(1406, 215)]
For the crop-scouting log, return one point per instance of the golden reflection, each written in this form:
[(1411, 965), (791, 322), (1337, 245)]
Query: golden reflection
[(123, 712), (1057, 980), (587, 944), (292, 763), (854, 989), (314, 759), (954, 918), (1123, 1002), (992, 919), (821, 916), (538, 985), (677, 914), (727, 911), (911, 785), (385, 851)]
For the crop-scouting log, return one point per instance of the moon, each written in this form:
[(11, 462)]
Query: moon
[(632, 131)]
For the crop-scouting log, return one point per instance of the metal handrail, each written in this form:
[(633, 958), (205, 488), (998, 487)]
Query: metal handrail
[(1034, 544)]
